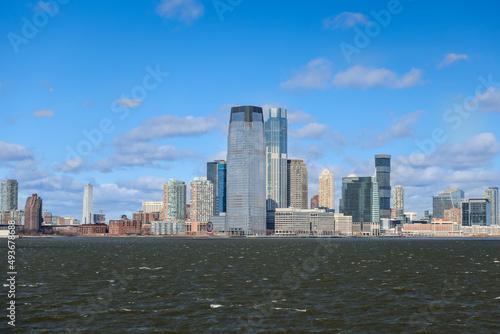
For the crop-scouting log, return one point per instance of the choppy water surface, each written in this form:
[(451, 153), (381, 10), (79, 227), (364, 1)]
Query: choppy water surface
[(148, 285)]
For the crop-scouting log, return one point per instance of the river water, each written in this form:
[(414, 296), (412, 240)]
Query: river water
[(167, 285)]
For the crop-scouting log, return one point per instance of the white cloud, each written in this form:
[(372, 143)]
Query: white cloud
[(167, 126), (489, 101), (14, 152), (43, 113), (71, 166), (300, 116), (129, 103), (46, 6), (365, 77), (479, 151), (345, 20), (185, 11), (310, 131), (310, 153), (149, 183), (315, 75), (451, 58), (402, 128)]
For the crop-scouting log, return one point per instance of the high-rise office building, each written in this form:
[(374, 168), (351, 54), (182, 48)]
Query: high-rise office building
[(383, 173), (221, 188), (492, 194), (164, 207), (476, 211), (9, 195), (297, 184), (176, 202), (360, 199), (202, 199), (88, 204), (327, 190), (449, 199), (315, 202), (246, 172), (213, 176), (276, 159), (398, 201), (33, 213)]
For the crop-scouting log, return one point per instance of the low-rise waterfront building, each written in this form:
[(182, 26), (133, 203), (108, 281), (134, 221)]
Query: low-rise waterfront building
[(304, 222)]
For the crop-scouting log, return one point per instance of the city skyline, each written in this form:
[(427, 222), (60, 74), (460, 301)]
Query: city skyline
[(432, 102)]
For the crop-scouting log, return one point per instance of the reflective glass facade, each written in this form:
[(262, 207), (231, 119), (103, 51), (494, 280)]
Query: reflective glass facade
[(176, 200), (246, 172), (476, 212), (9, 195), (449, 199), (360, 199), (221, 187), (492, 195), (383, 172)]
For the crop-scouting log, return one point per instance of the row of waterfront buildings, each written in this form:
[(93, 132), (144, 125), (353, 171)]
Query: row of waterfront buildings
[(258, 190)]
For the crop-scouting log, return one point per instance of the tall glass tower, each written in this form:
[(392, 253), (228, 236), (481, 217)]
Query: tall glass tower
[(246, 172), (9, 195), (176, 209), (383, 172), (492, 194), (276, 162), (360, 199), (88, 204), (221, 187)]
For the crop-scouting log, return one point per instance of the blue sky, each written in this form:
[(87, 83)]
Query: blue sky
[(142, 90)]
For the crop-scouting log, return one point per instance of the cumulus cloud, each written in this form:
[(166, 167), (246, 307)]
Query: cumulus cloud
[(14, 152), (478, 151), (489, 101), (43, 113), (148, 183), (315, 75), (365, 77), (129, 103), (300, 116), (345, 20), (168, 126), (70, 166), (402, 128), (451, 58), (309, 153), (310, 131), (186, 11)]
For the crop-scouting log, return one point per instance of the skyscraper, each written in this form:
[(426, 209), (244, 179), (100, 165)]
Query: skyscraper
[(476, 211), (213, 176), (33, 213), (327, 189), (398, 201), (9, 195), (383, 172), (246, 172), (221, 188), (276, 159), (449, 199), (492, 194), (176, 203), (201, 200), (360, 199), (297, 184), (88, 204)]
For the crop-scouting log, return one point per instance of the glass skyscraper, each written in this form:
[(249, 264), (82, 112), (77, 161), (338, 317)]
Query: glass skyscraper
[(221, 187), (246, 172), (476, 212), (360, 199), (492, 194), (176, 193), (449, 199), (383, 172), (276, 162)]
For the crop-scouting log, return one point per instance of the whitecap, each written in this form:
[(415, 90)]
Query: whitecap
[(215, 305), (147, 268), (497, 298)]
